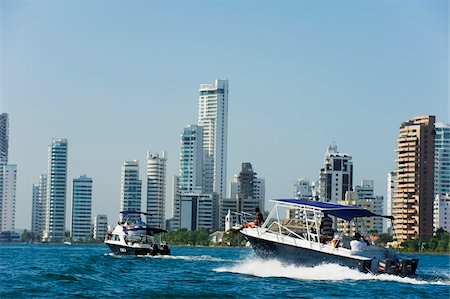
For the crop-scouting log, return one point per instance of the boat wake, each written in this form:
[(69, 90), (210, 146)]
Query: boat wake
[(330, 272), (171, 257)]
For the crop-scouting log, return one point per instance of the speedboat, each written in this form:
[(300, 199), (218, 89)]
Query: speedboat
[(298, 239), (132, 236)]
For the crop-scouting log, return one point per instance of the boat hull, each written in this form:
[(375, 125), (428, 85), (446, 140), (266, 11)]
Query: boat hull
[(303, 256), (125, 250)]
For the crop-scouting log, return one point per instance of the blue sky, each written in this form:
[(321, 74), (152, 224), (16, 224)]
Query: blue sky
[(119, 78)]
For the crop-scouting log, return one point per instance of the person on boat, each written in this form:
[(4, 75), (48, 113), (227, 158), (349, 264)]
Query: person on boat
[(259, 218), (326, 228), (357, 243)]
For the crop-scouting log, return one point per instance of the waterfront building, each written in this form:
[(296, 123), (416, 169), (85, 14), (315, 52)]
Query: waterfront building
[(4, 138), (357, 224), (8, 178), (131, 188), (38, 207), (213, 117), (413, 200), (100, 227), (442, 212), (336, 177), (156, 189), (191, 160), (197, 211), (365, 192), (81, 208), (442, 159), (302, 189), (55, 210), (391, 186)]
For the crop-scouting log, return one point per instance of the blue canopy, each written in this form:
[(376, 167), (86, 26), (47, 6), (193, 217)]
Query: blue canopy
[(339, 211)]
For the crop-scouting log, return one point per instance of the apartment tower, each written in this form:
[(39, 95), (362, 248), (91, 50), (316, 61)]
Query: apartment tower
[(81, 208), (131, 185), (413, 199), (55, 210), (156, 189)]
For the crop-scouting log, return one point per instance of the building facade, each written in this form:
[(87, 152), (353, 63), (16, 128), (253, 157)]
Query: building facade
[(391, 186), (100, 227), (191, 160), (349, 228), (38, 207), (4, 137), (131, 188), (197, 211), (413, 200), (156, 189), (8, 178), (365, 192), (213, 117), (302, 189), (442, 159), (336, 177), (81, 208), (55, 210), (442, 212)]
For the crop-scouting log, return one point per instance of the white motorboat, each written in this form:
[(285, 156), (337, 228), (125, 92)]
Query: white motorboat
[(298, 239), (135, 237)]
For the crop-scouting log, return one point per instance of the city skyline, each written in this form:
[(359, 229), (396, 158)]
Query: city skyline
[(289, 99)]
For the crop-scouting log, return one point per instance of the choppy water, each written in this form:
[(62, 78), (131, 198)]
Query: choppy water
[(89, 271)]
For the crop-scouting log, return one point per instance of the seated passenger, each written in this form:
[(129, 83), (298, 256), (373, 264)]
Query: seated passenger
[(357, 243)]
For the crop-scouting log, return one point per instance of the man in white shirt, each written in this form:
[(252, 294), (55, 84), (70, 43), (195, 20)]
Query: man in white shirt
[(357, 243)]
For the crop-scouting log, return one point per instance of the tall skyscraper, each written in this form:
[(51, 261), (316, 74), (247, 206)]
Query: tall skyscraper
[(4, 129), (38, 207), (365, 193), (35, 209), (131, 185), (8, 178), (413, 202), (191, 160), (391, 186), (213, 117), (442, 159), (81, 208), (100, 227), (336, 177), (55, 211), (156, 189)]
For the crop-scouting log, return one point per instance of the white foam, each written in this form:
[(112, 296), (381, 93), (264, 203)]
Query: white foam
[(171, 257), (331, 272)]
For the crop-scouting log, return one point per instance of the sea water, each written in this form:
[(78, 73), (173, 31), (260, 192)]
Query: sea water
[(90, 271)]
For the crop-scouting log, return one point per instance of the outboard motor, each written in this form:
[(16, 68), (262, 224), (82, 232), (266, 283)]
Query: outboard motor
[(164, 250), (154, 249), (401, 267)]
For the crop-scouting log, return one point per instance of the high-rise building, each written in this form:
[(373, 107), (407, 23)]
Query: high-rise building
[(81, 208), (247, 192), (8, 178), (442, 159), (391, 186), (38, 207), (336, 177), (131, 185), (413, 202), (191, 160), (4, 129), (100, 227), (35, 210), (156, 189), (213, 117), (55, 211), (302, 188), (365, 193)]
